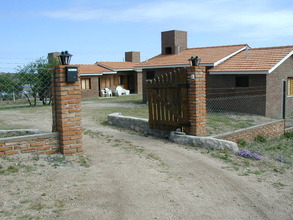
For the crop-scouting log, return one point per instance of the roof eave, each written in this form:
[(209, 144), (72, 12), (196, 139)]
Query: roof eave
[(280, 62), (173, 66), (229, 56), (91, 74), (107, 67), (238, 72), (123, 70)]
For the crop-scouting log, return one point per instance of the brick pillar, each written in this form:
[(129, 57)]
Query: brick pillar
[(196, 77), (67, 112)]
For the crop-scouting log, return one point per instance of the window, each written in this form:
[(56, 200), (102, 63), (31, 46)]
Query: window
[(150, 75), (121, 81), (290, 86), (86, 83), (242, 81)]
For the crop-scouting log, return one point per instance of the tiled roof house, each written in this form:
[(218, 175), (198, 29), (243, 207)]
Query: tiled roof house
[(103, 75), (232, 71)]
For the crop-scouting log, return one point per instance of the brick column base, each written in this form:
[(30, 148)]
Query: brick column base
[(196, 77), (67, 112)]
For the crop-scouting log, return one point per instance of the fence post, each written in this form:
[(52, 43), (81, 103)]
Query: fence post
[(66, 112), (196, 77), (284, 94)]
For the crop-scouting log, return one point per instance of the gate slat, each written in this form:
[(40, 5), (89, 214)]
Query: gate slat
[(167, 99)]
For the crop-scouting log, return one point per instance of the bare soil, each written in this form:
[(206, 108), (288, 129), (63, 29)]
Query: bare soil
[(129, 176)]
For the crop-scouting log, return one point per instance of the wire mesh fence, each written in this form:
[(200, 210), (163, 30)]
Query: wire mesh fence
[(26, 87), (231, 110)]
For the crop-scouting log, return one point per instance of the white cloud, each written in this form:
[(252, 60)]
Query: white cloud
[(248, 17)]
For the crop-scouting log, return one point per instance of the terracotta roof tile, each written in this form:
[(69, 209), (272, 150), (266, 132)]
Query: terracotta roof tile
[(91, 69), (208, 55), (117, 65), (258, 59)]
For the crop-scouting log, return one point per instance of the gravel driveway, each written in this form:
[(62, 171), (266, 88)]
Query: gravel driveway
[(128, 176)]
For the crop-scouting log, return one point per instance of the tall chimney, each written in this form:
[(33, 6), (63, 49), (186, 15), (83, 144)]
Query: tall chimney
[(52, 57), (132, 56), (173, 42)]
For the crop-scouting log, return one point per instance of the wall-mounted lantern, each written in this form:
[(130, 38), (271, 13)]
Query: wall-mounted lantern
[(194, 61), (71, 72), (65, 58)]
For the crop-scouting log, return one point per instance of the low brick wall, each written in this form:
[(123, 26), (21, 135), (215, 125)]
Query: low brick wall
[(289, 129), (268, 130), (37, 143)]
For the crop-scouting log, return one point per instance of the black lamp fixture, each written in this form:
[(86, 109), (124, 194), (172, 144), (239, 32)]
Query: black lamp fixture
[(194, 61), (65, 58)]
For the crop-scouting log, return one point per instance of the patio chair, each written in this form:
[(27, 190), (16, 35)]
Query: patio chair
[(103, 93), (120, 91), (108, 92)]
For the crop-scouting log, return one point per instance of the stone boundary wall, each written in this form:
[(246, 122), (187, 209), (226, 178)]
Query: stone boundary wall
[(36, 143), (225, 141), (137, 124), (268, 130), (141, 125)]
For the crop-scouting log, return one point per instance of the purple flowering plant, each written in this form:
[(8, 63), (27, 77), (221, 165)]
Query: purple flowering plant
[(248, 154)]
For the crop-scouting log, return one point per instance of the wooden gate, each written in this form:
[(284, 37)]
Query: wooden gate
[(167, 100)]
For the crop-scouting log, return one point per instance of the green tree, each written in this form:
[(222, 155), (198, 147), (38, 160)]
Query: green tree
[(35, 77), (8, 83)]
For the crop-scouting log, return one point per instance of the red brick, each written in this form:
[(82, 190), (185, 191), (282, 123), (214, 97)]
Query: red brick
[(11, 152), (71, 151), (37, 144), (2, 149), (44, 148), (74, 92), (52, 152), (28, 150)]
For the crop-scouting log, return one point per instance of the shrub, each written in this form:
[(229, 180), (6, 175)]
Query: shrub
[(260, 138)]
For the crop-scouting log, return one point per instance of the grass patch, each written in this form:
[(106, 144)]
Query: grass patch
[(12, 169), (133, 98), (83, 161), (276, 156), (216, 122), (37, 206), (279, 185)]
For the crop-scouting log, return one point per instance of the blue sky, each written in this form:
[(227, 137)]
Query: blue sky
[(96, 30)]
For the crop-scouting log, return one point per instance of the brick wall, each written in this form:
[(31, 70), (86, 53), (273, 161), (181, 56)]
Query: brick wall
[(274, 90), (196, 77), (37, 143), (67, 131), (67, 112), (269, 130)]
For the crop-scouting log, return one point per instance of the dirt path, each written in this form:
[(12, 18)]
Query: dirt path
[(136, 177)]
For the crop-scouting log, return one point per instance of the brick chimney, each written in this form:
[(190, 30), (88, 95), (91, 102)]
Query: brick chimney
[(52, 57), (173, 42), (132, 56)]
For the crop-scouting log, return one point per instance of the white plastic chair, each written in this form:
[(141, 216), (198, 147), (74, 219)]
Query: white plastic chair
[(120, 91), (103, 93), (108, 92)]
